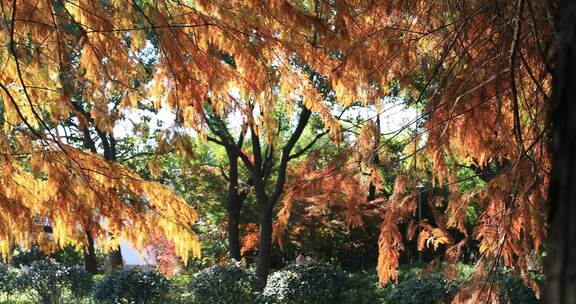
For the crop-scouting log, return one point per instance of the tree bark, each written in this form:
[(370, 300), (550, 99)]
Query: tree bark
[(90, 262), (115, 260), (235, 198), (376, 161), (265, 244), (234, 231), (267, 202), (234, 203), (561, 262)]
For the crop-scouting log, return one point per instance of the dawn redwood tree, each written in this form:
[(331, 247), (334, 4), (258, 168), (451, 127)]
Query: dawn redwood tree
[(561, 258), (46, 180), (85, 124), (234, 200), (479, 70), (189, 70), (268, 173), (481, 73), (235, 196)]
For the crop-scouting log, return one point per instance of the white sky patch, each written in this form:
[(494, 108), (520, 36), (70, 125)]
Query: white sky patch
[(396, 118), (131, 256), (235, 119), (394, 115), (125, 127)]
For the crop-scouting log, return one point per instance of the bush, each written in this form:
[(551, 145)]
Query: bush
[(136, 285), (50, 280), (79, 282), (226, 284), (7, 279), (47, 278), (514, 291), (179, 293), (362, 288), (424, 289), (68, 256), (303, 284), (25, 257)]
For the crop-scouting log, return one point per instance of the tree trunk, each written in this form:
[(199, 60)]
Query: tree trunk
[(90, 262), (371, 192), (260, 172), (265, 245), (376, 160), (561, 261), (115, 259), (234, 203), (233, 228)]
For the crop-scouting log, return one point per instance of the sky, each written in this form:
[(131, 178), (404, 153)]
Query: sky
[(130, 255)]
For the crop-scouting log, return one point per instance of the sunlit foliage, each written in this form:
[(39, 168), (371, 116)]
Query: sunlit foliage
[(478, 70)]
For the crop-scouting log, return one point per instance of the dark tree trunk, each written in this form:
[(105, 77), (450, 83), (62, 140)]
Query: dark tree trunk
[(234, 231), (265, 244), (371, 192), (90, 262), (259, 172), (234, 207), (115, 260), (235, 198), (234, 203), (561, 261), (109, 146), (376, 159)]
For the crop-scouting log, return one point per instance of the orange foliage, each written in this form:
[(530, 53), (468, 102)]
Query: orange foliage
[(161, 253), (485, 87), (334, 186), (250, 237), (398, 208), (73, 190)]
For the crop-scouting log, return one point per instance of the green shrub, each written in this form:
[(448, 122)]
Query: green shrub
[(136, 285), (514, 291), (303, 284), (51, 280), (25, 257), (179, 293), (98, 277), (362, 288), (47, 278), (423, 289), (68, 256), (7, 279), (79, 282), (223, 284)]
